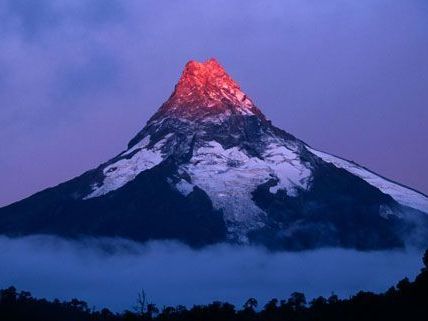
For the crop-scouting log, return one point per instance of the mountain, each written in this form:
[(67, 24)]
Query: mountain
[(209, 167)]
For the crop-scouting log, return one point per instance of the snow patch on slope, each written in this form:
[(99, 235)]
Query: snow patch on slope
[(288, 168), (229, 176), (125, 170), (143, 143), (401, 194), (184, 187)]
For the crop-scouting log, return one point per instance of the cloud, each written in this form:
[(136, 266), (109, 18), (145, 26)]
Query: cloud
[(108, 272), (96, 73), (33, 20), (30, 17)]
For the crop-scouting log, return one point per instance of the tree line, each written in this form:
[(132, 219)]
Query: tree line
[(406, 301)]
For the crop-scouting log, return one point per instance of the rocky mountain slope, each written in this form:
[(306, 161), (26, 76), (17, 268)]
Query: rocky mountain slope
[(209, 167)]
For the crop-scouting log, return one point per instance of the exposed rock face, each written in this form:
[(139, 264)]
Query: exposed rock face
[(209, 167), (206, 91)]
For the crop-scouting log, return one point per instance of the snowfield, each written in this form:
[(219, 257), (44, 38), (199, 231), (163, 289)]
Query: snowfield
[(403, 195), (125, 170), (229, 176)]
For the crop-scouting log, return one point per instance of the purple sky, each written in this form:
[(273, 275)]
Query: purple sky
[(79, 78)]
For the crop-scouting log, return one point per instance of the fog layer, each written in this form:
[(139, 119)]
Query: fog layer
[(111, 272)]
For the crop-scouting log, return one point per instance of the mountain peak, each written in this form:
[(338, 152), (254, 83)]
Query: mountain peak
[(209, 168), (202, 75), (204, 90)]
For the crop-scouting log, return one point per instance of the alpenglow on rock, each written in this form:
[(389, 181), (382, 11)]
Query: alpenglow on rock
[(209, 167)]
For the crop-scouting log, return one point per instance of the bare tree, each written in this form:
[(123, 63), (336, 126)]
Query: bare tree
[(142, 302), (143, 307)]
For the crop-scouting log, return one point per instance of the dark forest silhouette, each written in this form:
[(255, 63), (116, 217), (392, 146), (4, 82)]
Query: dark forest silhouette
[(405, 301)]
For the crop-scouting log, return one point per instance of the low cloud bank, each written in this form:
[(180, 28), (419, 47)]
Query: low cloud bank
[(110, 272)]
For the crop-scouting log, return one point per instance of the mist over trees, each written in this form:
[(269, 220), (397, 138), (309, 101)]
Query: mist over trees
[(93, 269), (407, 300)]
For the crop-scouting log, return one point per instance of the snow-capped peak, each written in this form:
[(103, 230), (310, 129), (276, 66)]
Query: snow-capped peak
[(208, 167)]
